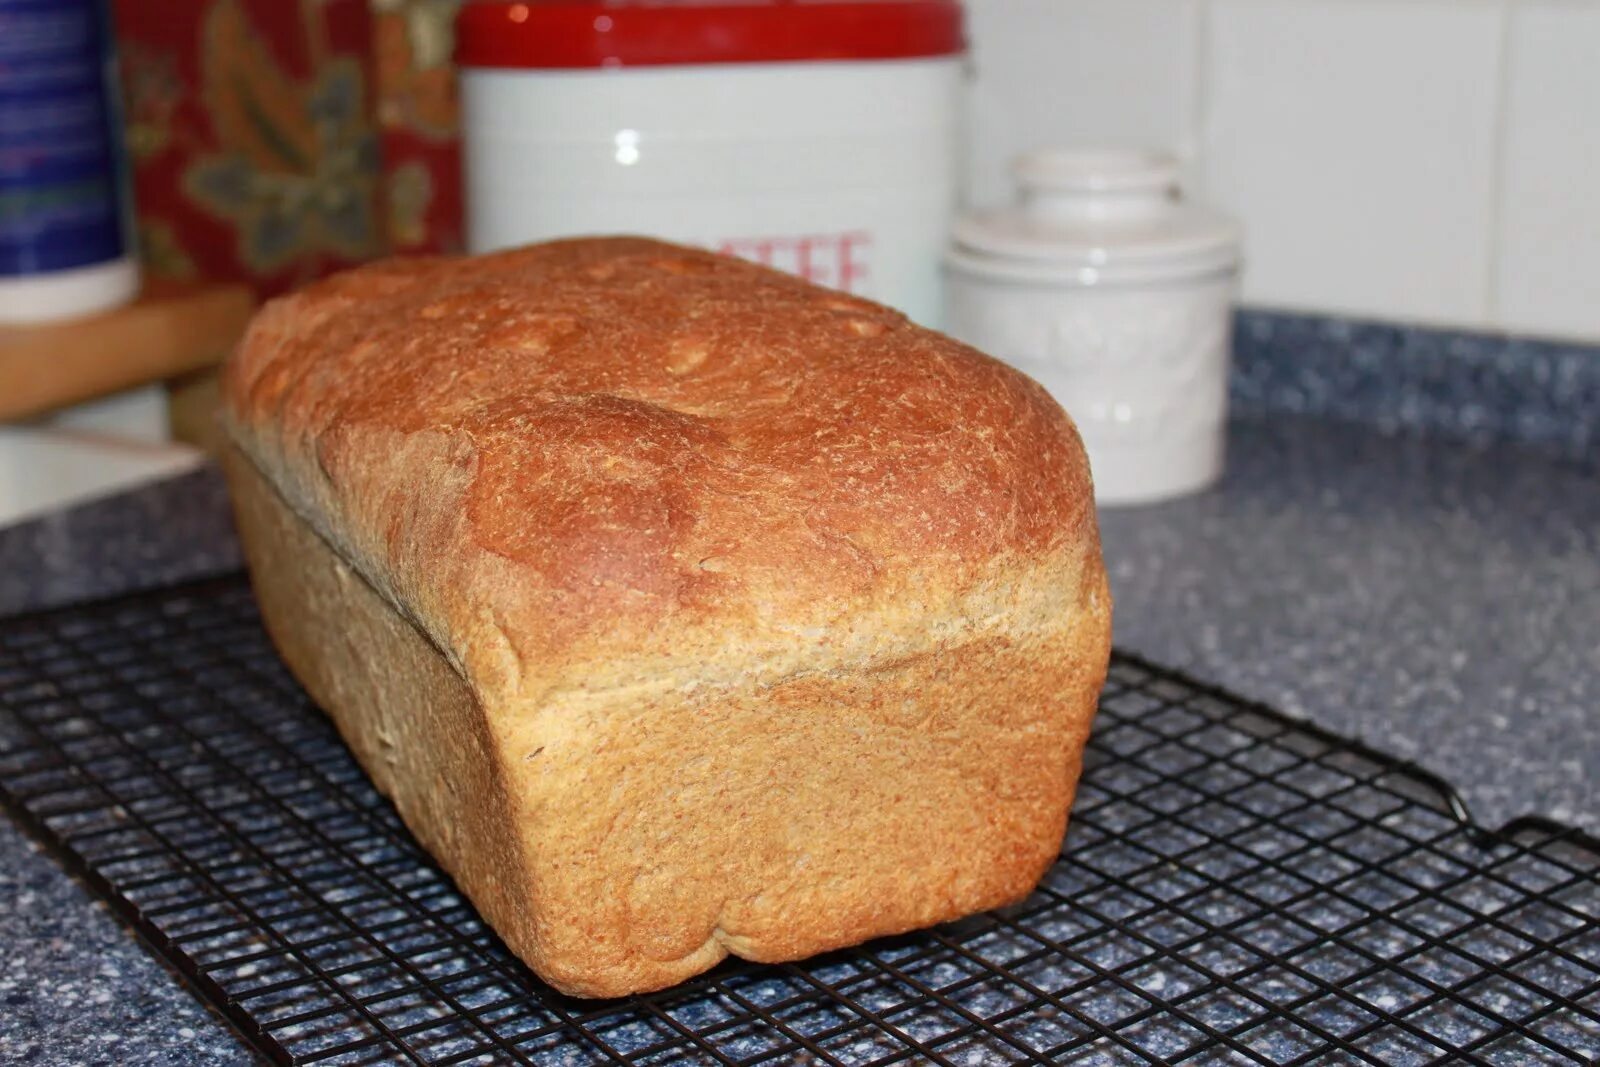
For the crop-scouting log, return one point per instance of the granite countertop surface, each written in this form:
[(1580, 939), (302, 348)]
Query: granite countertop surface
[(1438, 599)]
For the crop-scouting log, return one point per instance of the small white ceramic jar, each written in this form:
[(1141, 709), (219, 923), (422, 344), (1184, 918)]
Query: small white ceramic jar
[(1113, 293), (818, 137)]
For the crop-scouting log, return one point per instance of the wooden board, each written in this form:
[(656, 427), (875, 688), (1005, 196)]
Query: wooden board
[(167, 332)]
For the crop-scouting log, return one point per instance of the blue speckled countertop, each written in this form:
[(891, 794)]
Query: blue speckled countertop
[(1435, 594)]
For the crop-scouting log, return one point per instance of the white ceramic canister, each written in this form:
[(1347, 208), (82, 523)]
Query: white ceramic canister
[(816, 137), (1116, 295)]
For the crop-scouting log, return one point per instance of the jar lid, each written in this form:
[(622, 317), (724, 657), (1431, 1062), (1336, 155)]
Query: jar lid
[(1095, 218), (566, 34)]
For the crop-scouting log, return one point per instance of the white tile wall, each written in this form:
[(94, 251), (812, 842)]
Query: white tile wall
[(1432, 160), (1356, 140), (1110, 72), (1548, 277)]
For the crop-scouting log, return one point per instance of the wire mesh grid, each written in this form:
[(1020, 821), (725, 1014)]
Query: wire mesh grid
[(1237, 887)]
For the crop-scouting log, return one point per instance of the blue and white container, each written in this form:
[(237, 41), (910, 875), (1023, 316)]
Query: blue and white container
[(65, 243)]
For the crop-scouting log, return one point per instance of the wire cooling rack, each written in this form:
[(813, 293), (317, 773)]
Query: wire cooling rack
[(1237, 887)]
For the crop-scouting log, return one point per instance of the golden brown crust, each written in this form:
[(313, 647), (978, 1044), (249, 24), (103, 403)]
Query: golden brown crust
[(782, 618), (635, 436)]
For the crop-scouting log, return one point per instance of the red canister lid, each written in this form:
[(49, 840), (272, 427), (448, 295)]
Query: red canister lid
[(545, 34)]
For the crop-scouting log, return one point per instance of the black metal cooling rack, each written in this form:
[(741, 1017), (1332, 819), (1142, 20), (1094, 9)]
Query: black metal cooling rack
[(1237, 887)]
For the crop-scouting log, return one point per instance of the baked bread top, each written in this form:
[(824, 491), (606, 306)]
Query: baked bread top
[(556, 456)]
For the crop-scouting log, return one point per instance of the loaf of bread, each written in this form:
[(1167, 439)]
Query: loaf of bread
[(681, 607)]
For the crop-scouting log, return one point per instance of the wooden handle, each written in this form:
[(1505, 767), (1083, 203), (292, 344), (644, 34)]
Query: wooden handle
[(163, 334)]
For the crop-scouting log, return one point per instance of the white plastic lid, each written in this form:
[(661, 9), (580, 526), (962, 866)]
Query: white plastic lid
[(1098, 217)]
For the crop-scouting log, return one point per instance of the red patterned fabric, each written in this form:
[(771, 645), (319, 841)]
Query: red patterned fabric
[(274, 141)]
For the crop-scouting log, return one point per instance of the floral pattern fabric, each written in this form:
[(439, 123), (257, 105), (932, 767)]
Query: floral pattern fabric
[(277, 141)]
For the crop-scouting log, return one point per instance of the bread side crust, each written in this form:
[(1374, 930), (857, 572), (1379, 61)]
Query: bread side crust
[(413, 724), (777, 821), (625, 839)]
